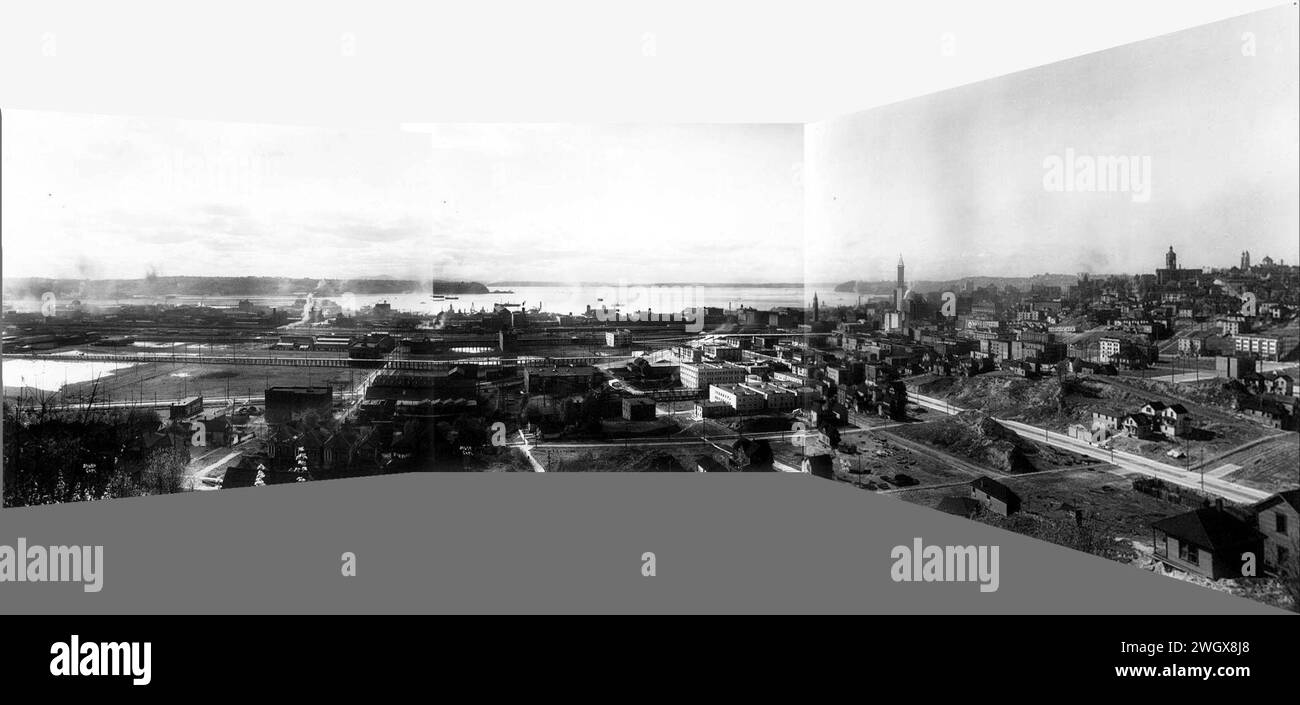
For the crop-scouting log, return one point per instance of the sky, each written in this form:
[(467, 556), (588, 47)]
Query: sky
[(955, 181), (118, 197)]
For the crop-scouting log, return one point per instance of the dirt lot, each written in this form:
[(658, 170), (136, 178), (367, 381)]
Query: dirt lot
[(168, 381), (1102, 496), (1272, 465)]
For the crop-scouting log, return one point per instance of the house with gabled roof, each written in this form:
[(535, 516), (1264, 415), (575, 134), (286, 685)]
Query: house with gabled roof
[(1169, 420), (1108, 419), (957, 505), (314, 441), (994, 496), (1278, 519), (217, 430), (1267, 411), (281, 445), (1280, 384), (1153, 408), (1139, 426), (1210, 542)]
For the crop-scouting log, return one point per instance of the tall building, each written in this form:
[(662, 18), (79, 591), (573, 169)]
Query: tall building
[(1245, 259), (1172, 272), (815, 309), (900, 290)]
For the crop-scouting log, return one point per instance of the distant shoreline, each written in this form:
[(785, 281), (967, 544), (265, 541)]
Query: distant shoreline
[(712, 285), (156, 287)]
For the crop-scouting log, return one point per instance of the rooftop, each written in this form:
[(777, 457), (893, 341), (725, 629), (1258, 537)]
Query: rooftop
[(1208, 527), (994, 489), (1291, 497)]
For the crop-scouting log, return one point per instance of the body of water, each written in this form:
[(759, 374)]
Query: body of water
[(554, 299), (52, 375)]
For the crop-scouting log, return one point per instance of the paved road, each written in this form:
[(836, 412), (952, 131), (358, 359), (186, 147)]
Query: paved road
[(194, 480), (528, 452), (1125, 461), (1183, 377)]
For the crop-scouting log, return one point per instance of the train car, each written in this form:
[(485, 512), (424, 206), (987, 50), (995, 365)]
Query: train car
[(186, 408)]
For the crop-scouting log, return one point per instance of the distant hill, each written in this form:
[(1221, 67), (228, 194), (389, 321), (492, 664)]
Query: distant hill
[(32, 288), (443, 287)]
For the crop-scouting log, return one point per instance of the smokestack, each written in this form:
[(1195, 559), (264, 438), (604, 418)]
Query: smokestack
[(306, 309)]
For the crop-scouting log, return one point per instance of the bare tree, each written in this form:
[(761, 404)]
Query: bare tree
[(164, 471)]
